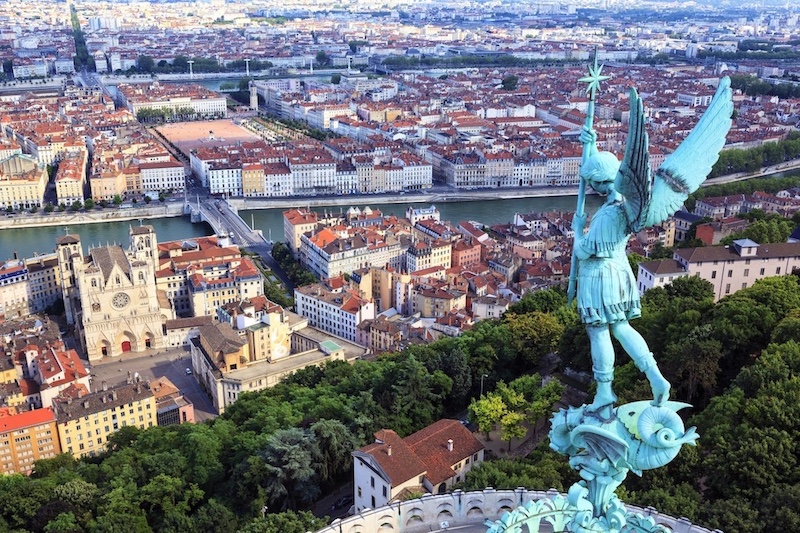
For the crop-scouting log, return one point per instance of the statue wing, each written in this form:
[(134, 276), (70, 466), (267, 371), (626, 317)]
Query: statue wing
[(633, 179), (688, 166), (650, 201)]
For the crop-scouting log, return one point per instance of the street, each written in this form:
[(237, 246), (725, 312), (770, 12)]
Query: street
[(171, 363)]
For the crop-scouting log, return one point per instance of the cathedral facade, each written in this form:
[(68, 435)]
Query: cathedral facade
[(113, 299)]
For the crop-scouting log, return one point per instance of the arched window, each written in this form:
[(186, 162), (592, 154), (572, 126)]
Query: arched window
[(94, 282), (118, 280), (141, 276)]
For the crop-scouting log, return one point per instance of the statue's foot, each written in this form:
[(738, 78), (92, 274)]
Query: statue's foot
[(660, 388), (603, 412), (603, 404)]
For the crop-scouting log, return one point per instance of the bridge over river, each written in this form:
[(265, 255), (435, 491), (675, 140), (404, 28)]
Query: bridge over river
[(225, 220)]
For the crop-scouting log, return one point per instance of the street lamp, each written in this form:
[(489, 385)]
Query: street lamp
[(264, 511), (482, 378)]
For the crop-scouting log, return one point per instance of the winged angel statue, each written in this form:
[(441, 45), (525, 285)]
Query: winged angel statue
[(607, 295)]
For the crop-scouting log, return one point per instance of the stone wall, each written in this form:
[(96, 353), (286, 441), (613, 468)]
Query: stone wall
[(460, 509)]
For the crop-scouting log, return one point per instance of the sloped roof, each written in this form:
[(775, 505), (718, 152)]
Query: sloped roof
[(395, 457), (107, 256), (424, 452)]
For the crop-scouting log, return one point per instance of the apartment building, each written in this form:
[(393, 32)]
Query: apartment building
[(175, 98), (727, 268), (296, 222), (14, 289), (26, 437), (424, 255), (328, 255), (162, 176), (337, 312), (70, 178), (86, 423), (22, 182)]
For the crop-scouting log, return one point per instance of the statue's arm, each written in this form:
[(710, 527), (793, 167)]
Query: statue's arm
[(581, 250), (589, 141)]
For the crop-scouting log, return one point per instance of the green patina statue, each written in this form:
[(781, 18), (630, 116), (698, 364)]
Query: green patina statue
[(603, 441)]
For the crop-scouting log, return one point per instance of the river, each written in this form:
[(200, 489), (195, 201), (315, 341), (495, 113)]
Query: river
[(27, 241)]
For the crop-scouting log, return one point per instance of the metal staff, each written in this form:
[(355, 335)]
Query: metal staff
[(593, 80)]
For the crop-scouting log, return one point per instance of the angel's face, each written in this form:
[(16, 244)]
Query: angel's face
[(602, 187)]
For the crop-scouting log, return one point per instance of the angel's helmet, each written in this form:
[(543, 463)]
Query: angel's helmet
[(601, 167)]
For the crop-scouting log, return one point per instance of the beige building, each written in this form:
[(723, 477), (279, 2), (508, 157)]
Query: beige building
[(71, 177), (227, 362), (26, 437), (107, 184), (253, 182), (432, 302), (22, 182), (86, 423), (727, 268), (115, 303), (422, 255), (44, 281), (296, 222)]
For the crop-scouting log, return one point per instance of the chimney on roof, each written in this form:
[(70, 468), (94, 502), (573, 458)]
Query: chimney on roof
[(105, 386), (389, 450), (86, 404), (449, 445), (114, 395)]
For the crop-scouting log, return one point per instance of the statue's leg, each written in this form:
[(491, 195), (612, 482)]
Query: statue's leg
[(602, 366), (635, 346)]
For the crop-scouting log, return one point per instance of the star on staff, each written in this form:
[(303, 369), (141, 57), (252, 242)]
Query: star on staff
[(594, 78)]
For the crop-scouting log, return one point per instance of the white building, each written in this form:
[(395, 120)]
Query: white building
[(338, 313), (428, 461), (162, 176)]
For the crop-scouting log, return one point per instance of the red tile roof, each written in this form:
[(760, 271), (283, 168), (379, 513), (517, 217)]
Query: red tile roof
[(26, 419)]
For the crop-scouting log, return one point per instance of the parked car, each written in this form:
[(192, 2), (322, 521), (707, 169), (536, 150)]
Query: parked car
[(344, 501), (188, 371)]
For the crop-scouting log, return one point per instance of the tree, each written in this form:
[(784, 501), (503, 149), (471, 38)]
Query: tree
[(535, 335), (117, 199), (63, 523), (89, 204), (147, 199), (510, 82), (335, 443), (290, 479), (336, 79), (542, 468), (634, 259), (215, 516), (49, 208), (512, 427), (286, 522), (145, 63), (322, 58), (486, 412)]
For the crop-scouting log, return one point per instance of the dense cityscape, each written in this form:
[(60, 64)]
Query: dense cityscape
[(327, 375)]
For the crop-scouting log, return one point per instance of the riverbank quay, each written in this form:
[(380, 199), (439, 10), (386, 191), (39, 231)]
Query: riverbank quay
[(177, 208), (96, 216)]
